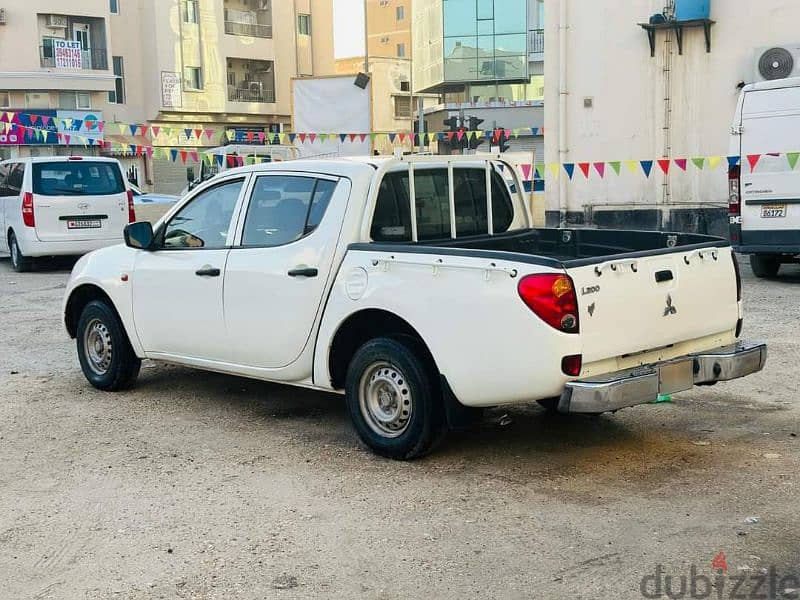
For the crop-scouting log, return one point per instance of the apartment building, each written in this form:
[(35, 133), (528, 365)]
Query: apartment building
[(388, 62), (620, 91), (220, 65), (484, 59)]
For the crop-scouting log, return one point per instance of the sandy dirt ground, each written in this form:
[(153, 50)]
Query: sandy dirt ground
[(197, 485)]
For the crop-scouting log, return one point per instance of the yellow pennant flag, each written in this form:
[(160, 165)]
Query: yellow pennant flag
[(713, 161), (633, 165), (554, 169)]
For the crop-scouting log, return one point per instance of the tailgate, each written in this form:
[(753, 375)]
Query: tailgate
[(78, 199), (633, 305)]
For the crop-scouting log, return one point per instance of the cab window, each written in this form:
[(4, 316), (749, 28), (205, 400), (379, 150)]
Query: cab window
[(205, 221), (392, 219), (285, 208)]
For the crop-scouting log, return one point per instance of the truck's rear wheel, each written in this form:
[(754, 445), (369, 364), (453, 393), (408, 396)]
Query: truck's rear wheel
[(19, 262), (394, 403), (764, 265), (104, 351)]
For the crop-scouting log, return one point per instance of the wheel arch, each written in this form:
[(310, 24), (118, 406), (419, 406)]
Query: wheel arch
[(362, 326), (78, 299)]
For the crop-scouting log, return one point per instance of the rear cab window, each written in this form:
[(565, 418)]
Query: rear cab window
[(77, 178), (392, 218)]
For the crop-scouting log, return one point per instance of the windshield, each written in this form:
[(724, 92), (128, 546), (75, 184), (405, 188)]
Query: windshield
[(77, 178)]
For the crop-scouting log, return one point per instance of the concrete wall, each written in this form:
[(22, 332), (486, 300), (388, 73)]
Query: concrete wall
[(608, 61)]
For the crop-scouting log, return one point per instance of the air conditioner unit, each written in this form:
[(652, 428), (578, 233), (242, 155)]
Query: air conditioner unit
[(385, 2), (2, 16), (777, 62), (385, 39), (57, 21)]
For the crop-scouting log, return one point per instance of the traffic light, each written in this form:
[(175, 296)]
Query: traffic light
[(502, 140), (474, 123), (452, 123)]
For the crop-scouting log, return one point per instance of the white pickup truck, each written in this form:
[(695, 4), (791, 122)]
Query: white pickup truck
[(418, 288)]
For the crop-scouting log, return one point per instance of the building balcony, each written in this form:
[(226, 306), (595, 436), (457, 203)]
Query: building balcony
[(251, 91), (90, 59), (536, 44), (251, 80), (252, 23)]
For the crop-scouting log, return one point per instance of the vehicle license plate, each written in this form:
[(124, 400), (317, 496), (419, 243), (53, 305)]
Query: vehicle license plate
[(773, 211), (83, 224)]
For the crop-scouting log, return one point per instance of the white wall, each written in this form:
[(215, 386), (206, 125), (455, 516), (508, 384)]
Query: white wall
[(608, 59)]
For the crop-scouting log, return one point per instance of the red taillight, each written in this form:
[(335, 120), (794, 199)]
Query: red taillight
[(552, 297), (131, 210), (28, 216), (734, 192), (571, 365)]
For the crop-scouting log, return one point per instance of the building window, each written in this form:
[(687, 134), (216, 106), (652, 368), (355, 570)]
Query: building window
[(37, 100), (405, 86), (75, 100), (118, 95), (193, 77), (114, 6), (190, 11), (304, 24), (401, 50), (402, 107), (401, 13), (5, 99)]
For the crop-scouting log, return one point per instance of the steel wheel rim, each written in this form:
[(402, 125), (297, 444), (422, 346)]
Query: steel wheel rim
[(385, 399), (97, 347)]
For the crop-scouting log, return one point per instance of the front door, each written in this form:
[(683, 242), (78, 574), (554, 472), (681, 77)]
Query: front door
[(276, 277), (81, 33), (177, 288)]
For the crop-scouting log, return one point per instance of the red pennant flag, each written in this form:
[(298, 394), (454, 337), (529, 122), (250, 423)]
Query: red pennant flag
[(508, 134), (67, 138), (460, 134), (585, 169), (450, 135), (352, 137), (34, 119), (302, 137), (312, 137), (155, 130), (600, 167), (526, 171), (60, 136), (209, 133), (143, 129), (681, 162), (496, 135), (250, 136), (753, 160), (664, 164), (194, 156), (198, 133), (183, 154), (138, 150), (363, 137), (402, 137)]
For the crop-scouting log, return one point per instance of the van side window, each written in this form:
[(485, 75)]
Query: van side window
[(14, 180), (4, 169), (392, 219)]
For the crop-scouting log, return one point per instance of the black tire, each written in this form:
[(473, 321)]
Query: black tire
[(19, 262), (764, 265), (115, 369), (398, 372)]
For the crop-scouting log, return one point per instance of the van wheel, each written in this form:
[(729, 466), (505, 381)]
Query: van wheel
[(764, 265), (394, 404), (19, 262), (104, 351)]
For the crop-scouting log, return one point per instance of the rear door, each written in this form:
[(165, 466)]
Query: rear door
[(770, 187), (640, 304), (277, 275), (78, 199), (5, 200)]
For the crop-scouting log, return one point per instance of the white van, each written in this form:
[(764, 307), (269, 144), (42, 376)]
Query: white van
[(764, 202), (61, 206)]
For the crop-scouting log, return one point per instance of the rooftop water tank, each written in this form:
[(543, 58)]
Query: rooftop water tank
[(689, 10)]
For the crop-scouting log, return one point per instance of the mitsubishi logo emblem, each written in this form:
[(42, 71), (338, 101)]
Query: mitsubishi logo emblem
[(670, 310)]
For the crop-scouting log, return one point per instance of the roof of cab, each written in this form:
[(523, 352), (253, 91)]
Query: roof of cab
[(772, 85)]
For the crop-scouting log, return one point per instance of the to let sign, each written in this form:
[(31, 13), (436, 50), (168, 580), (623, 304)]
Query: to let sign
[(171, 90), (68, 54)]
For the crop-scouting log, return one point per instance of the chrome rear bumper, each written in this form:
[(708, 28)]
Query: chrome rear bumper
[(644, 384)]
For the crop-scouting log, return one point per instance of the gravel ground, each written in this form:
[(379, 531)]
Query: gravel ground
[(197, 485)]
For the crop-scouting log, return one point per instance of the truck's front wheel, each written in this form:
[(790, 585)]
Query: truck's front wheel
[(764, 265), (393, 399)]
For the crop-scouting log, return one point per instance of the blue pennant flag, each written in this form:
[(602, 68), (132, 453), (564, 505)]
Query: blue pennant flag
[(570, 169), (647, 167), (219, 159), (343, 136), (174, 154), (292, 137), (733, 161), (188, 133), (133, 128)]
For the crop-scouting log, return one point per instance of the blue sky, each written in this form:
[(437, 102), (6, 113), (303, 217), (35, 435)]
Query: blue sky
[(348, 28)]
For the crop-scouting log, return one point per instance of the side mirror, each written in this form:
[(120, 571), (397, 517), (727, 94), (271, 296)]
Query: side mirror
[(139, 235), (190, 174)]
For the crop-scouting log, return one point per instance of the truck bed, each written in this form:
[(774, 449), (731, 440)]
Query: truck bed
[(563, 248)]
